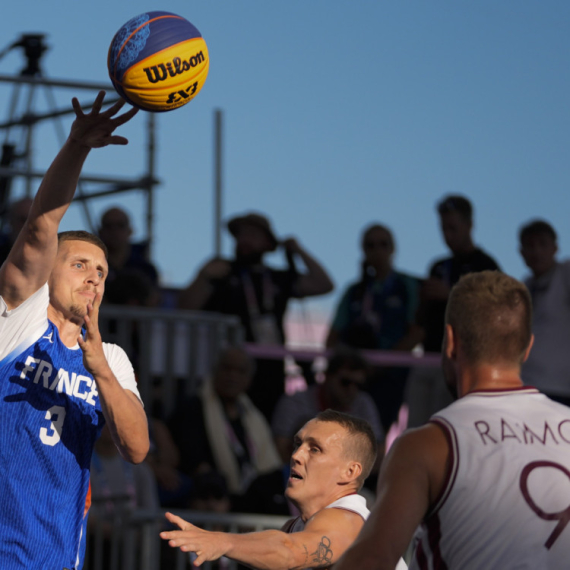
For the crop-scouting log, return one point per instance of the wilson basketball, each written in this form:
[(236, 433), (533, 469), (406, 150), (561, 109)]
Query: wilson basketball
[(158, 61)]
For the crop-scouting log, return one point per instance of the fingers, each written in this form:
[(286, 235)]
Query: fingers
[(122, 119), (97, 104), (181, 523), (77, 108), (113, 109)]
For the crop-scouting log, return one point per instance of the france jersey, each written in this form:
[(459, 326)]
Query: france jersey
[(50, 418)]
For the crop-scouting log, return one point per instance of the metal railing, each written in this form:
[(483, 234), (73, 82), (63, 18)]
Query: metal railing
[(131, 541), (172, 350)]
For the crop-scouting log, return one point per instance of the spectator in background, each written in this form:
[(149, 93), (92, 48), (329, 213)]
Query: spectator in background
[(245, 286), (125, 257), (378, 312), (342, 391), (220, 429), (548, 366), (426, 389), (117, 488), (17, 215)]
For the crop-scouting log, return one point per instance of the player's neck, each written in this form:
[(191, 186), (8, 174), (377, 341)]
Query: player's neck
[(489, 377), (68, 329)]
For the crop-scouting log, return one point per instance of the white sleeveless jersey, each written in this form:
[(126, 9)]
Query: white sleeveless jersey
[(354, 503), (506, 502)]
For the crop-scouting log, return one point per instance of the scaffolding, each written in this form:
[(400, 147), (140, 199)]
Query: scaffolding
[(16, 160)]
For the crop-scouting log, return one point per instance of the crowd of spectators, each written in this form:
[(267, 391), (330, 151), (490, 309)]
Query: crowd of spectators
[(228, 446)]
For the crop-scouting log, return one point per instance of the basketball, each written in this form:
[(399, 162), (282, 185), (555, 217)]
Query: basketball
[(158, 61)]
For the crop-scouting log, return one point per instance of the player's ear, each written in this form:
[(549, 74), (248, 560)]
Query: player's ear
[(527, 351), (353, 471), (450, 343)]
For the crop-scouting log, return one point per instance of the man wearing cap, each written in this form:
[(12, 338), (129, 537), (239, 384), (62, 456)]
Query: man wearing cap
[(245, 286)]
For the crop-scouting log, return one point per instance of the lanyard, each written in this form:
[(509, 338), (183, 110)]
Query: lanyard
[(267, 304)]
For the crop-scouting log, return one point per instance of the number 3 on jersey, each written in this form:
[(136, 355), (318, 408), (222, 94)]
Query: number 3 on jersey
[(56, 417)]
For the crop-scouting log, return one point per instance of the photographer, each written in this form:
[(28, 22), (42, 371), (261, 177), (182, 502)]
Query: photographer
[(257, 294)]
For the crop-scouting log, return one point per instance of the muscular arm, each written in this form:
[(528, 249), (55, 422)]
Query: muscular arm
[(32, 257), (411, 479), (325, 537), (122, 409)]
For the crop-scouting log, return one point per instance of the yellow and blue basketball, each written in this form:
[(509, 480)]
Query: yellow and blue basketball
[(158, 61)]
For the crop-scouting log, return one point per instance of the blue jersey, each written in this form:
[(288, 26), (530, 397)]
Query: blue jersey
[(50, 418)]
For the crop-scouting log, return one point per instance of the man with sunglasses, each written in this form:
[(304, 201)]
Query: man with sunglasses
[(345, 376)]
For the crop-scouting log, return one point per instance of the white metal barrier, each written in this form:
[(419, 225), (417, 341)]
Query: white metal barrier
[(131, 541), (172, 350)]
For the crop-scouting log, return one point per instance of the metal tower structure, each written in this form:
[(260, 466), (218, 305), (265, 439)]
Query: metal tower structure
[(16, 159)]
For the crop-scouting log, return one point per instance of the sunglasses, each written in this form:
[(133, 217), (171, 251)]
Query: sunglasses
[(346, 382)]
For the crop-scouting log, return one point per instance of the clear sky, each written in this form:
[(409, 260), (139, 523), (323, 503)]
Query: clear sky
[(337, 114)]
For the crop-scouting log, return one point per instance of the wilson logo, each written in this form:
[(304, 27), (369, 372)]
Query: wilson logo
[(173, 68)]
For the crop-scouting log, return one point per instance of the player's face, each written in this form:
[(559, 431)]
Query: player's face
[(343, 387), (252, 241), (77, 276), (378, 247), (456, 231), (538, 252), (233, 374), (317, 463)]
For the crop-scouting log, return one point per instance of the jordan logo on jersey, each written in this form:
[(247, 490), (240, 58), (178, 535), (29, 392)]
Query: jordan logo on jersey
[(77, 385)]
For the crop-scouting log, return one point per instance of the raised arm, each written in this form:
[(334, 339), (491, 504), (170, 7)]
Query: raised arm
[(325, 537), (32, 257), (316, 280), (411, 478)]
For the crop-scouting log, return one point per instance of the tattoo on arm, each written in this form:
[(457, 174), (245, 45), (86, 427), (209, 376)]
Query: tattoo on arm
[(306, 554), (323, 555)]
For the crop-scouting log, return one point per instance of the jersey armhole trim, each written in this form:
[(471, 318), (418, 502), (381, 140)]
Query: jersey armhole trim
[(453, 467)]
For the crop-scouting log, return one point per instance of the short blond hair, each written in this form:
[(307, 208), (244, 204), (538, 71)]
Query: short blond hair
[(81, 235), (491, 315)]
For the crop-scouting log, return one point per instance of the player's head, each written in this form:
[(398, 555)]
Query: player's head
[(254, 236), (332, 455), (345, 375), (489, 314), (78, 273), (538, 246), (456, 219), (377, 245)]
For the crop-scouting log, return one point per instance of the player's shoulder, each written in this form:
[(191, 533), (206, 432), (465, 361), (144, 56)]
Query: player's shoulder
[(337, 519), (116, 356)]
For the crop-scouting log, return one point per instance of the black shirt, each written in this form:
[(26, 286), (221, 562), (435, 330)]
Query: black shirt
[(432, 312)]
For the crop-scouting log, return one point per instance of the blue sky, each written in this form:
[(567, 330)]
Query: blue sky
[(337, 114)]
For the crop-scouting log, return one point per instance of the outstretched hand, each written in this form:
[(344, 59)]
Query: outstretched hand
[(95, 129), (207, 545)]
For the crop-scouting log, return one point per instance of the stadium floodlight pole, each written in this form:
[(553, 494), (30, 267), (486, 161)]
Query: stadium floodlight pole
[(218, 117)]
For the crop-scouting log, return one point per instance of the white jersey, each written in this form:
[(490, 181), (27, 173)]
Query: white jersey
[(506, 501), (354, 503)]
